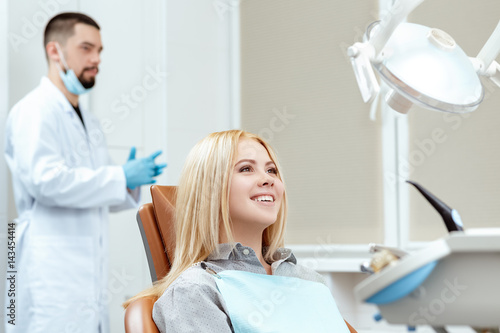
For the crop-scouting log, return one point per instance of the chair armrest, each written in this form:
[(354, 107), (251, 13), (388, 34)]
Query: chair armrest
[(139, 316)]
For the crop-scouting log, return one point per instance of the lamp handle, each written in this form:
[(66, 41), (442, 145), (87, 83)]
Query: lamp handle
[(491, 49), (495, 77), (397, 14)]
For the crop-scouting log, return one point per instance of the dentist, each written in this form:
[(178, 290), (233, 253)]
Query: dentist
[(65, 185)]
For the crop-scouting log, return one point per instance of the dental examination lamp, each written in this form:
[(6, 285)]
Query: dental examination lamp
[(421, 65)]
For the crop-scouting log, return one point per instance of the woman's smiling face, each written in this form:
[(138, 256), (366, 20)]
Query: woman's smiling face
[(256, 192)]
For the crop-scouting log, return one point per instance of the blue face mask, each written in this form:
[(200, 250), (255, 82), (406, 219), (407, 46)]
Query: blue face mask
[(69, 78)]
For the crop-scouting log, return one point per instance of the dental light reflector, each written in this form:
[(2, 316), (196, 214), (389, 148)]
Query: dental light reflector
[(421, 65), (426, 67)]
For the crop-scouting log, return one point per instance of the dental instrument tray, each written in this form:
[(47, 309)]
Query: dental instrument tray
[(452, 281)]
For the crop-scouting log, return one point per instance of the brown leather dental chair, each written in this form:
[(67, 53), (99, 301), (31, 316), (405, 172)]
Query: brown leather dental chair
[(156, 223)]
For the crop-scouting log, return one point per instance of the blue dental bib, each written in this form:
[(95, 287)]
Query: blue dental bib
[(260, 303)]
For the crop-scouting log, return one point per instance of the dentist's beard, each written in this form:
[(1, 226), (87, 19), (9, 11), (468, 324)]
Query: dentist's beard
[(86, 83)]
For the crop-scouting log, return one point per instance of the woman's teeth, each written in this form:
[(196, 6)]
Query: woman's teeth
[(267, 198)]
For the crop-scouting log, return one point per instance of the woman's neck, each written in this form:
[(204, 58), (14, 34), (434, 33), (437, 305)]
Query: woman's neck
[(254, 242), (257, 247)]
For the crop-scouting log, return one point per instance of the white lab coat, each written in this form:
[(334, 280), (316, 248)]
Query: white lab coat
[(64, 187)]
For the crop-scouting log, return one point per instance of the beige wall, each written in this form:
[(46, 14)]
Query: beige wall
[(298, 90)]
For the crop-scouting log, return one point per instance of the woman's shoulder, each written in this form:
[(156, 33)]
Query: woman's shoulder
[(194, 277), (191, 283), (193, 291), (300, 271)]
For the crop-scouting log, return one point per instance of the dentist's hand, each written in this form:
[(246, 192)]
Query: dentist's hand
[(142, 171)]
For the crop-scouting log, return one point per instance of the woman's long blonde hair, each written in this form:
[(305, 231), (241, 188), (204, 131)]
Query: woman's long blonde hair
[(202, 207)]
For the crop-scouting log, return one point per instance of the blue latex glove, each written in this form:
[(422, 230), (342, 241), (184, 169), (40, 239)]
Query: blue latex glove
[(142, 171)]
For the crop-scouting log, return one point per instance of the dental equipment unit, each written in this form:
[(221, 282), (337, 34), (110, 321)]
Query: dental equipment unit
[(451, 281)]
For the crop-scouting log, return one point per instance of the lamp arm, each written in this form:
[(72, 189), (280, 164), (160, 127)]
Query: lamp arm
[(390, 22), (492, 72), (360, 55), (495, 75), (490, 50)]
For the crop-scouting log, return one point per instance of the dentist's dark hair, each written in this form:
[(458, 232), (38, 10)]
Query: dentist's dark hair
[(62, 26)]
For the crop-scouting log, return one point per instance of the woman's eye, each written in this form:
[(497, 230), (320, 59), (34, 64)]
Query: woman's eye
[(273, 170), (245, 169)]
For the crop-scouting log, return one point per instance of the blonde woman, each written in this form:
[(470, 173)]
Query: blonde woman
[(231, 272)]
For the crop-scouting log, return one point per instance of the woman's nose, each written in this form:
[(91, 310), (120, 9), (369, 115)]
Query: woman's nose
[(266, 180)]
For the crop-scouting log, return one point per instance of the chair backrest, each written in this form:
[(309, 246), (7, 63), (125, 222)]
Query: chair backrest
[(156, 223), (164, 198)]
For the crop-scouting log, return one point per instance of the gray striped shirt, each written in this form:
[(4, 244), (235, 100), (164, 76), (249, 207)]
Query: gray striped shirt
[(192, 303)]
